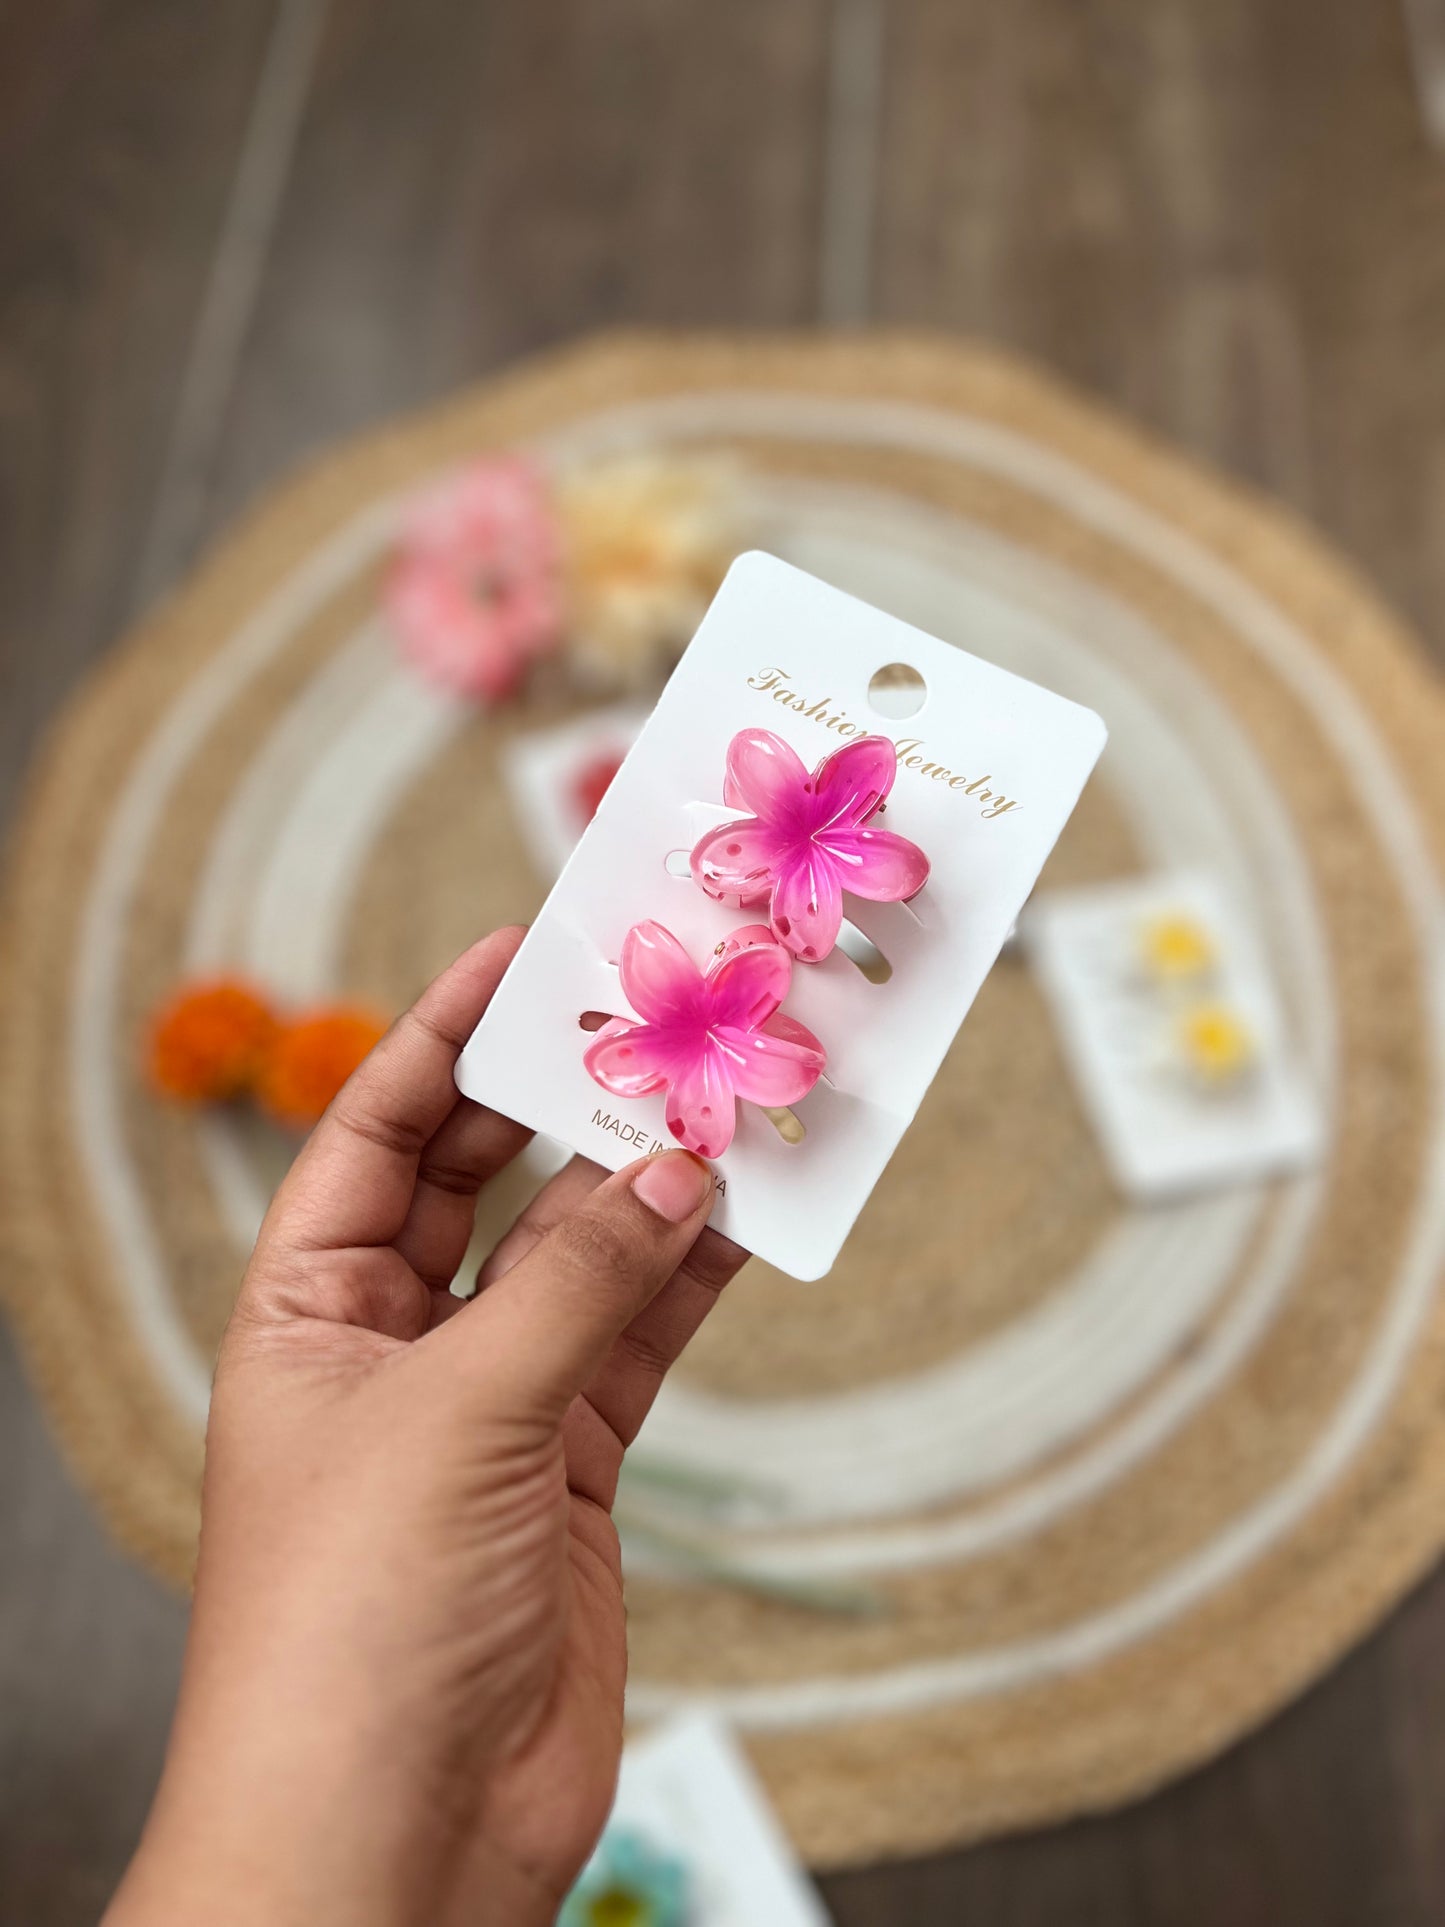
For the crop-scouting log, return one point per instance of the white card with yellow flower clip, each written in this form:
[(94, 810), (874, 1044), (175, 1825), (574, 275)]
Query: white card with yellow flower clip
[(1176, 1038)]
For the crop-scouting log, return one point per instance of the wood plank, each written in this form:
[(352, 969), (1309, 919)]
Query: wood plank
[(113, 180), (477, 182), (89, 1658), (1226, 218)]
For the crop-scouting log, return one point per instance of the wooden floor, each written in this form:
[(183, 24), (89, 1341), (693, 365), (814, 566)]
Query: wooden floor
[(230, 232)]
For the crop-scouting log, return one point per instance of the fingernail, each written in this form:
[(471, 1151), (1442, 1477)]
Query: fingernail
[(673, 1184)]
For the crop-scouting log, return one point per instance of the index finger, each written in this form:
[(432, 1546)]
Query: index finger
[(353, 1182)]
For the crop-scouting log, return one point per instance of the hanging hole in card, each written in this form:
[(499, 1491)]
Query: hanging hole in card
[(593, 1020), (897, 691), (678, 863), (789, 1127)]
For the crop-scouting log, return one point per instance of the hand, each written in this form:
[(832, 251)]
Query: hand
[(402, 1697)]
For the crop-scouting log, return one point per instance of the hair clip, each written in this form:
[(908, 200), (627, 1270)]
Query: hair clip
[(1214, 1048), (705, 1040), (807, 838), (1175, 949)]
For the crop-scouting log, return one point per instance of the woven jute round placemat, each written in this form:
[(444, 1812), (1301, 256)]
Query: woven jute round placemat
[(1120, 1482)]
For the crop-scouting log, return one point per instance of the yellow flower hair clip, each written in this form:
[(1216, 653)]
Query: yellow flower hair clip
[(1175, 949), (1214, 1047)]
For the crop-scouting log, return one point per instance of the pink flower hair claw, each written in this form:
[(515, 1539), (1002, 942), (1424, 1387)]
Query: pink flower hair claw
[(705, 1040), (474, 590), (807, 838)]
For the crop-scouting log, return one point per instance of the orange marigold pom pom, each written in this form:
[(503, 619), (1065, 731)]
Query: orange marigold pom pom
[(209, 1041), (310, 1060)]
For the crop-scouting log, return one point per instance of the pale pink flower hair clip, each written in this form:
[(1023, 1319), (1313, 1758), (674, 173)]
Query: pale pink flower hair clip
[(474, 590), (808, 838), (706, 1041)]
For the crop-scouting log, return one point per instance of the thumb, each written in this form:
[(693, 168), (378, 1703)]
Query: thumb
[(545, 1326)]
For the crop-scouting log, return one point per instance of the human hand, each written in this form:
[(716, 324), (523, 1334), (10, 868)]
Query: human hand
[(402, 1697)]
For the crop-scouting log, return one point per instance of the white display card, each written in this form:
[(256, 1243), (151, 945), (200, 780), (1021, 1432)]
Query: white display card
[(990, 767), (1165, 1129)]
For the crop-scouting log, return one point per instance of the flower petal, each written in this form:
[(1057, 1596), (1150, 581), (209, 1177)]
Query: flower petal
[(745, 989), (630, 1060), (659, 979), (876, 864), (473, 590), (766, 776), (448, 636), (701, 1109), (771, 1068), (739, 859), (781, 1025), (807, 905), (853, 781), (746, 937)]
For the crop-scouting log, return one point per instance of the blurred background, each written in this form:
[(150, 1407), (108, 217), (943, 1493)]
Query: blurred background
[(232, 234)]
